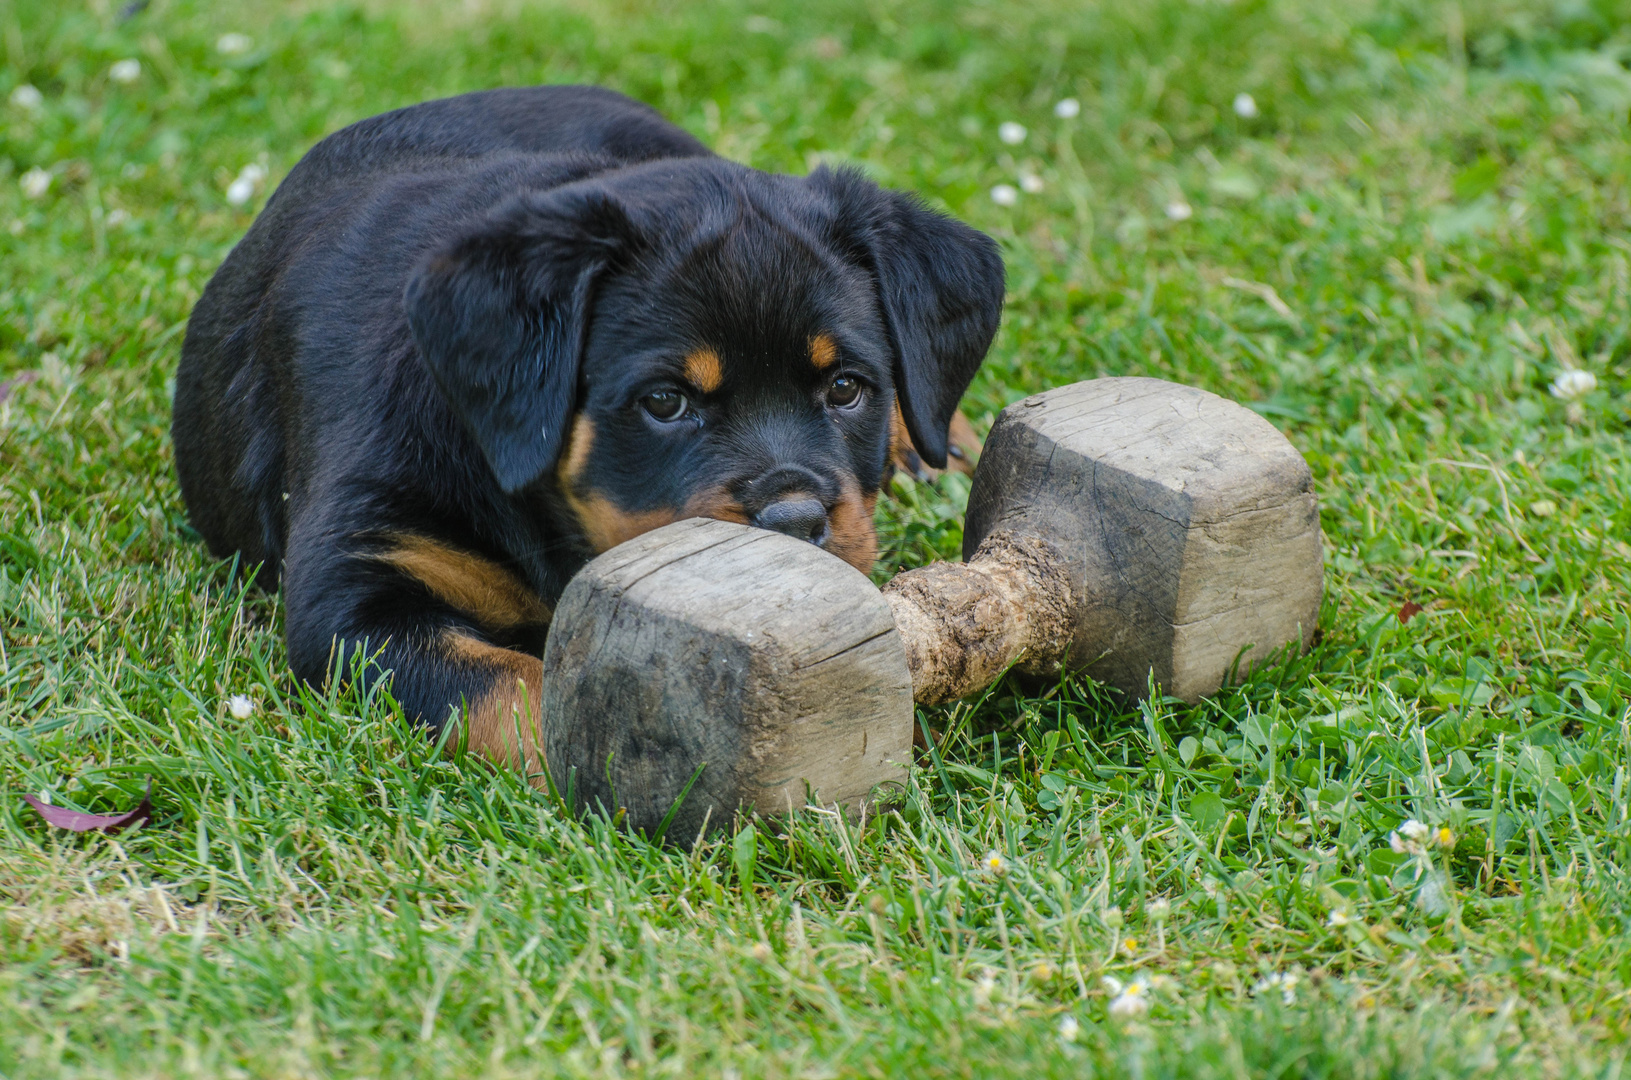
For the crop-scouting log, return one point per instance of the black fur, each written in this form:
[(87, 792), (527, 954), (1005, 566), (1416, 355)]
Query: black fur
[(404, 340)]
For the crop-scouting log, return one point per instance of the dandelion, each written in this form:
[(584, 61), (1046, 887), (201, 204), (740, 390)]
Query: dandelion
[(1245, 106), (1573, 384), (1068, 1029), (240, 706), (1005, 195), (27, 98), (1285, 982), (242, 189), (1067, 108), (34, 183), (125, 71), (1178, 210), (231, 44), (1030, 183), (1337, 920), (1131, 999), (1011, 133)]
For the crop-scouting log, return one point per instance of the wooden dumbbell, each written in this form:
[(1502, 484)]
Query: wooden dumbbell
[(1133, 529)]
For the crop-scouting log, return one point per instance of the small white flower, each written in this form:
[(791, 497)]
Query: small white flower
[(1178, 210), (984, 987), (125, 71), (1068, 1028), (1245, 106), (1158, 910), (1011, 133), (1067, 108), (994, 863), (240, 706), (242, 189), (1337, 919), (1030, 183), (1573, 384), (232, 44), (1112, 917), (27, 97), (1005, 195), (1285, 982), (116, 217), (1131, 999), (34, 183), (1412, 838)]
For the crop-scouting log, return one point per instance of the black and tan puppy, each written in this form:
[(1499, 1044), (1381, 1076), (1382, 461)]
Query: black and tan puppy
[(469, 344)]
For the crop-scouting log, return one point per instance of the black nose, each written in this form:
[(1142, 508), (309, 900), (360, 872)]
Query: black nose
[(805, 519)]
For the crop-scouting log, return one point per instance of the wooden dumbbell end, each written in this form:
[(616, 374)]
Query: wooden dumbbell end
[(961, 624)]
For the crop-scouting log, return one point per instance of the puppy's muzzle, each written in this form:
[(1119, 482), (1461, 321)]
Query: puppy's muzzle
[(793, 500)]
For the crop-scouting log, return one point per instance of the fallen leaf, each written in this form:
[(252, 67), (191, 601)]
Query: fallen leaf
[(79, 821), (1409, 608)]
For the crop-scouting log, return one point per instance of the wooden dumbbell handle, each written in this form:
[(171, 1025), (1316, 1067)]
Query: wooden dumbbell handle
[(963, 623)]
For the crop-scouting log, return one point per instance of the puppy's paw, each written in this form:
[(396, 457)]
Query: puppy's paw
[(962, 451)]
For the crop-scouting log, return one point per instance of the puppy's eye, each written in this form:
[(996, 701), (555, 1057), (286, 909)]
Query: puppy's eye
[(844, 392), (665, 405)]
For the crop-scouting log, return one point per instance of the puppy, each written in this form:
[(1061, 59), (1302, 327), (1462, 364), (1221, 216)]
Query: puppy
[(469, 344)]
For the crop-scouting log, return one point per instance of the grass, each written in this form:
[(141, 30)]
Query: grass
[(1423, 226)]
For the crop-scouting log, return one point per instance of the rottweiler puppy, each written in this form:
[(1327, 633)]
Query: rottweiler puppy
[(469, 344)]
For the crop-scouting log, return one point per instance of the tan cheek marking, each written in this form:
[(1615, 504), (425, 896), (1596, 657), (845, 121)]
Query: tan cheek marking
[(718, 504), (962, 444), (852, 535), (823, 352), (502, 724), (704, 371), (478, 587), (603, 523)]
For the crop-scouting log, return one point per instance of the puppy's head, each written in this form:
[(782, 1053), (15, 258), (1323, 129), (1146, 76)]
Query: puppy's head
[(694, 338)]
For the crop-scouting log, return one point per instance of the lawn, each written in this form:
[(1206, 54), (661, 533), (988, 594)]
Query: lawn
[(1411, 229)]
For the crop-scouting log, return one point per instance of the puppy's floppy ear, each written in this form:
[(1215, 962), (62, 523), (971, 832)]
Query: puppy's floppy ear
[(941, 287), (499, 316)]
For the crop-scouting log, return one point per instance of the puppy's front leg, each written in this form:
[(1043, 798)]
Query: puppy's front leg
[(459, 635)]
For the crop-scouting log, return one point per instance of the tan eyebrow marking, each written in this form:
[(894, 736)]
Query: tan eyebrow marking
[(703, 370), (823, 352)]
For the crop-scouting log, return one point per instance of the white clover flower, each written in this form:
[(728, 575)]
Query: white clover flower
[(125, 71), (1337, 919), (1067, 108), (240, 706), (1411, 838), (1178, 210), (34, 183), (1068, 1028), (1005, 195), (994, 863), (27, 97), (242, 189), (1011, 133), (1285, 982), (1573, 384), (231, 44), (1131, 999), (1158, 910), (1245, 106), (1030, 183)]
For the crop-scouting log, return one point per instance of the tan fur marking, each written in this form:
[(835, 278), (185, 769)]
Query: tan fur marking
[(478, 587), (823, 352), (851, 533), (509, 709), (704, 371), (717, 504), (604, 524), (963, 444)]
